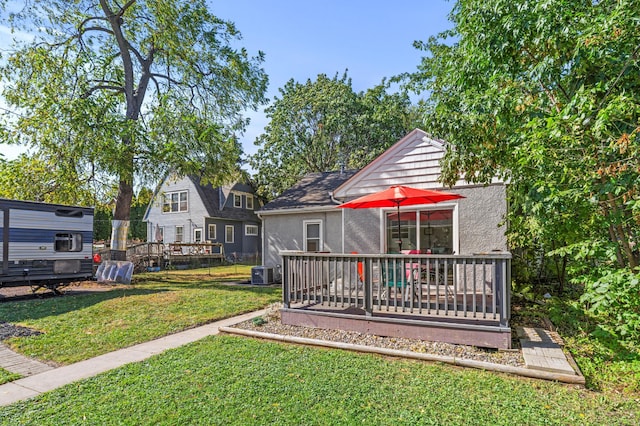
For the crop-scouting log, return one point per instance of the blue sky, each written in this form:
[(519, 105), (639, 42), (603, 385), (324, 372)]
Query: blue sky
[(301, 39)]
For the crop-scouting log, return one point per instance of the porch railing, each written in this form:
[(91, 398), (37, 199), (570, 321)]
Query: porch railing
[(460, 286)]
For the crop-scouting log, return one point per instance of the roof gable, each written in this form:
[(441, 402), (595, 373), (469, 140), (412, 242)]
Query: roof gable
[(414, 161), (212, 198)]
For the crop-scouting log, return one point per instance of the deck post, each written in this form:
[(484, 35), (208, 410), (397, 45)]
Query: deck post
[(286, 297), (368, 286)]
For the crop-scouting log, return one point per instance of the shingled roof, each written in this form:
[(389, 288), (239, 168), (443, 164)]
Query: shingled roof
[(210, 197), (310, 191)]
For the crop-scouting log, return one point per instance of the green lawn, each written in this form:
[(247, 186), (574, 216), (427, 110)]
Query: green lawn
[(232, 380), (84, 326)]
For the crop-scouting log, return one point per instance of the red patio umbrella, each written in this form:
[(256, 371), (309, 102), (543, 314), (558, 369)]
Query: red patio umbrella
[(399, 195)]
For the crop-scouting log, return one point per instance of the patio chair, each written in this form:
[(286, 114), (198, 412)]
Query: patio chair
[(397, 274)]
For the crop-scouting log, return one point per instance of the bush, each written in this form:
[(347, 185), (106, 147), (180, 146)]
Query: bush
[(615, 296)]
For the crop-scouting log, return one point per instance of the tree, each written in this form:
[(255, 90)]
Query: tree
[(324, 125), (546, 95), (47, 179), (132, 88)]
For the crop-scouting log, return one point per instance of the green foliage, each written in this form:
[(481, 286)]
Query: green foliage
[(609, 364), (615, 294), (130, 89), (323, 125), (545, 95), (50, 179)]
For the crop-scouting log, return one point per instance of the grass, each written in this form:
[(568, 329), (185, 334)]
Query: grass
[(237, 381), (83, 326), (6, 376), (232, 380)]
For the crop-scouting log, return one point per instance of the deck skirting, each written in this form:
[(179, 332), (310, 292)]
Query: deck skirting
[(441, 330)]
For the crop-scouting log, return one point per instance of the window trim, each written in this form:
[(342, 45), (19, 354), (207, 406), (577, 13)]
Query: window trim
[(166, 201), (175, 236), (67, 242), (251, 234), (196, 230), (215, 232), (455, 225), (226, 234), (249, 204), (239, 198), (305, 224)]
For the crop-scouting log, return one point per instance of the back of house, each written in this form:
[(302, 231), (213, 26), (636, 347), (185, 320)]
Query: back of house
[(186, 211)]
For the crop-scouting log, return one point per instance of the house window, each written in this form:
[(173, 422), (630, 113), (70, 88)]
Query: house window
[(212, 232), (249, 202), (425, 231), (312, 235), (175, 202), (237, 201), (68, 242), (197, 235), (179, 234), (251, 230), (228, 234)]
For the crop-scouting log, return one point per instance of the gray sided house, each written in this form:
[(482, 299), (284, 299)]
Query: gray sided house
[(344, 268), (183, 210), (305, 217)]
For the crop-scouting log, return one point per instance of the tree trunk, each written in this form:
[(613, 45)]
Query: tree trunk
[(120, 222)]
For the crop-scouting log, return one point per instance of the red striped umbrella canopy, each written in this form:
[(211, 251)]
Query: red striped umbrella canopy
[(399, 195)]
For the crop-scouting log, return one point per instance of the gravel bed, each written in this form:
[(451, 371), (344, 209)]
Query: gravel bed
[(9, 330), (273, 325)]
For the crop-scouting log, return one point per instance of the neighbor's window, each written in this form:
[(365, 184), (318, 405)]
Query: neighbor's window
[(237, 201), (68, 242), (312, 235), (197, 235), (175, 202), (228, 234), (179, 234), (212, 232), (249, 202), (251, 230)]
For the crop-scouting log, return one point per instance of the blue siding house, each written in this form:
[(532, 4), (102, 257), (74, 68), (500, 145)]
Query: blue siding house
[(183, 210)]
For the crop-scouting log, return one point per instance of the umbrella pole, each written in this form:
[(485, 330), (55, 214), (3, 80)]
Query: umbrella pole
[(399, 234)]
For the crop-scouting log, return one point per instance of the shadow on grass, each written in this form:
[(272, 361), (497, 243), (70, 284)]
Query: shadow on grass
[(41, 308)]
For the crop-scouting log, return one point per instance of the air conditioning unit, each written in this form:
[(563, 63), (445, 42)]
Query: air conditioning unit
[(261, 275)]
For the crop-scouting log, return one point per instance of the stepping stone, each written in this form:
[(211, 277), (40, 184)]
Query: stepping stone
[(542, 352)]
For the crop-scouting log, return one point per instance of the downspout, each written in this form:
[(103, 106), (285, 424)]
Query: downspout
[(341, 218), (264, 249)]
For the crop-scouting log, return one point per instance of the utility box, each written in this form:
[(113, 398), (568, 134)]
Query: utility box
[(261, 275)]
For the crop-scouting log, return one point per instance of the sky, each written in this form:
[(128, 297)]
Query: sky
[(301, 39)]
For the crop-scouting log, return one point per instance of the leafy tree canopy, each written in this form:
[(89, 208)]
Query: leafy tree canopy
[(546, 94), (323, 125), (50, 180), (132, 88)]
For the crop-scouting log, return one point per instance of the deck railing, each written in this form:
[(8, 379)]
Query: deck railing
[(462, 286)]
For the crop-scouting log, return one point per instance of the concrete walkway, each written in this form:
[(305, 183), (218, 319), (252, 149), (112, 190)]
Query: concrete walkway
[(51, 378), (544, 358)]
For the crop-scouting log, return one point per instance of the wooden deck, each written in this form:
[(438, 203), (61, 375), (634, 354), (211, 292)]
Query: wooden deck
[(455, 299)]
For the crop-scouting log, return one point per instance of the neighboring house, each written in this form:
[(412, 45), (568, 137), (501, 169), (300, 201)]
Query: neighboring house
[(183, 210), (305, 217)]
